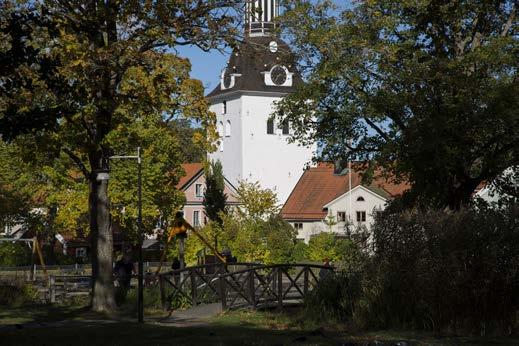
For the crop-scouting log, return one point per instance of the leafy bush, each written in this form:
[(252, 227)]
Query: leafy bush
[(334, 298), (344, 252), (450, 271), (435, 270), (17, 295), (14, 254)]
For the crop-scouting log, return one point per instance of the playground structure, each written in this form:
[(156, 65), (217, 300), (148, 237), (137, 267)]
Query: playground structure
[(179, 230), (252, 285), (34, 244), (233, 285)]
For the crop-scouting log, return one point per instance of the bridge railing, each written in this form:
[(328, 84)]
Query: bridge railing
[(254, 285), (270, 285), (195, 285)]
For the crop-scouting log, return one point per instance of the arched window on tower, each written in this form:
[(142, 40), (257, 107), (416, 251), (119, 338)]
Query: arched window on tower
[(228, 129), (270, 126), (220, 135), (286, 127)]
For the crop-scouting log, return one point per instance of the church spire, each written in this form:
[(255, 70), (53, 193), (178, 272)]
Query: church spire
[(259, 17)]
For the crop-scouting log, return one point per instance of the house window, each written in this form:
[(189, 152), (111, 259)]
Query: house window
[(224, 107), (228, 129), (286, 127), (361, 216), (81, 252), (196, 218), (199, 190), (298, 226), (360, 199), (341, 216), (270, 126)]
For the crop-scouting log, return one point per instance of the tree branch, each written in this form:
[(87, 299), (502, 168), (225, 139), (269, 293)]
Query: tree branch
[(510, 20), (77, 161), (376, 128)]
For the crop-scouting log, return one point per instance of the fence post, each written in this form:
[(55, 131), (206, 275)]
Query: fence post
[(223, 293), (52, 289), (305, 284), (193, 287), (252, 289), (162, 293), (280, 288)]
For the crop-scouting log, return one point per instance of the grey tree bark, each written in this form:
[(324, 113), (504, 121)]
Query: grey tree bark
[(103, 299)]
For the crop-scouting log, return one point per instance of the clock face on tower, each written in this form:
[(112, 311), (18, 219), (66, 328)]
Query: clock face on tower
[(278, 75), (227, 78)]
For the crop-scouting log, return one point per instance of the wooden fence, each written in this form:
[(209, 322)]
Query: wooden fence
[(252, 286), (62, 287)]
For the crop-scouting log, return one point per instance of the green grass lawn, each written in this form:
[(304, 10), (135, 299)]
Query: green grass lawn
[(78, 326)]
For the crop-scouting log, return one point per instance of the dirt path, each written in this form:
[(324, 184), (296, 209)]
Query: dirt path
[(195, 316)]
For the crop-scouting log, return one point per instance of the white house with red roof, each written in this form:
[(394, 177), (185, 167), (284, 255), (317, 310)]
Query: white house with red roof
[(324, 201)]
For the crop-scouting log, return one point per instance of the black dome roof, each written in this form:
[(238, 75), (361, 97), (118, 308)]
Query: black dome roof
[(253, 57)]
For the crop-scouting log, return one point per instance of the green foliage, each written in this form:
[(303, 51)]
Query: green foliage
[(266, 241), (425, 89), (253, 231), (89, 79), (15, 254), (344, 252), (335, 297), (439, 271), (215, 199), (15, 296), (255, 203)]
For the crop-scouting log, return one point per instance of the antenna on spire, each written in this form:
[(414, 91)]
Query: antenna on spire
[(259, 17)]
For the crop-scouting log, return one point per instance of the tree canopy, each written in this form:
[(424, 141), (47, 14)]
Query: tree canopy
[(80, 77), (426, 89)]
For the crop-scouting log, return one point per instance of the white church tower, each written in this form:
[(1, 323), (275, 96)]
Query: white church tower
[(260, 72)]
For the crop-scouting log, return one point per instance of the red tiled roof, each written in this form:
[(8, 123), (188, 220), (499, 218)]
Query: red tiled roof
[(319, 186), (191, 169)]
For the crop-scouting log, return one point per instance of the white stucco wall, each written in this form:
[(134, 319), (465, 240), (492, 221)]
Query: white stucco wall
[(256, 155), (231, 156)]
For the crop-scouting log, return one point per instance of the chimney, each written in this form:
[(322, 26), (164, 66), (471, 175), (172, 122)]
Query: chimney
[(340, 167)]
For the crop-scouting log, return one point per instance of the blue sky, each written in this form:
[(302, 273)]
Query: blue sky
[(207, 66)]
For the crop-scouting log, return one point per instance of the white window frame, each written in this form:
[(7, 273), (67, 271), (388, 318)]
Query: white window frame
[(196, 218), (339, 218), (199, 190), (361, 216), (81, 252), (228, 128)]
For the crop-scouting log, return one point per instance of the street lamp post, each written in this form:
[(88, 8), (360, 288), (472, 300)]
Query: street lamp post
[(140, 295)]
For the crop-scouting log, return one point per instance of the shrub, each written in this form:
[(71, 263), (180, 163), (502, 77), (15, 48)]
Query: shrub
[(450, 271), (18, 295), (14, 254), (434, 270)]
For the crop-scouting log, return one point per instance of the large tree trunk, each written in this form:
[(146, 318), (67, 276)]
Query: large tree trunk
[(461, 193), (102, 247)]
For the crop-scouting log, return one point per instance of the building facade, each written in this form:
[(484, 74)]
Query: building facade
[(260, 72), (326, 201), (193, 186)]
